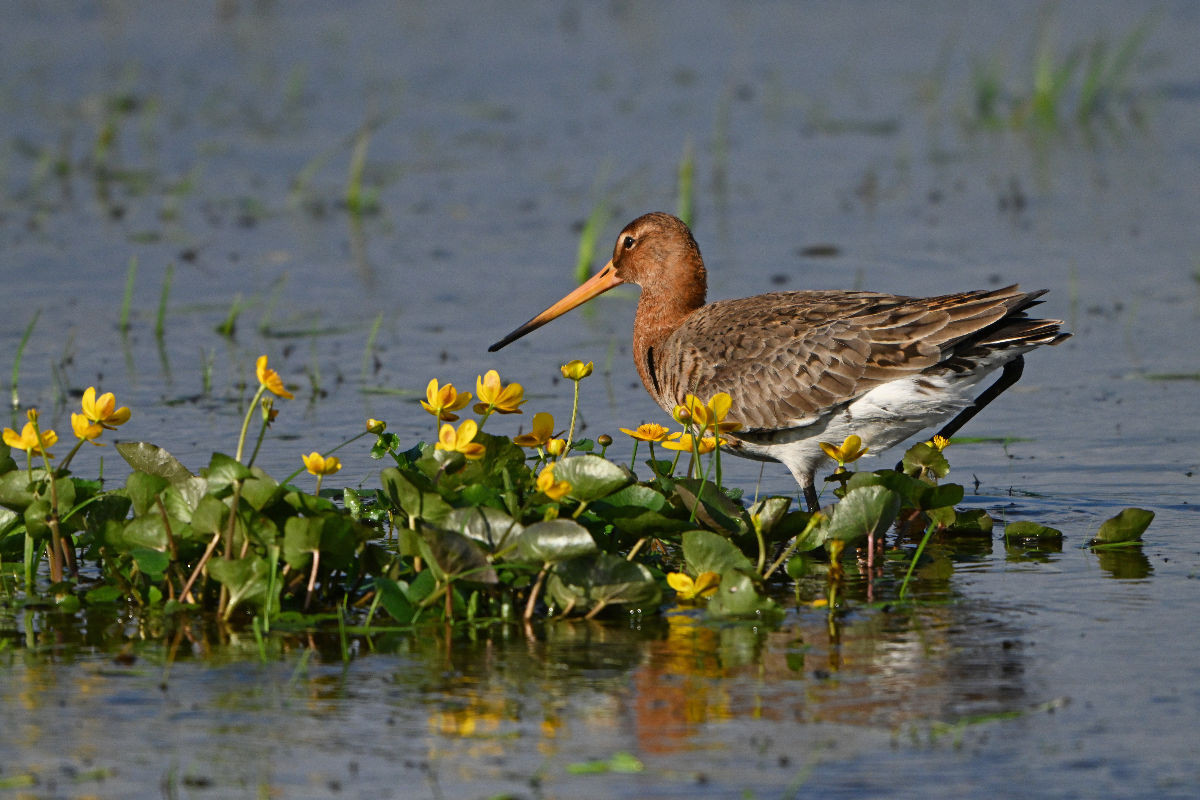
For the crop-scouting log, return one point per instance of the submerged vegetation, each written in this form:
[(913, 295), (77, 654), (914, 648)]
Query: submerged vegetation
[(478, 526), (1085, 85)]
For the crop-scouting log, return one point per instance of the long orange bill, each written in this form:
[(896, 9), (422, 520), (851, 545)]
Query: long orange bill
[(598, 284)]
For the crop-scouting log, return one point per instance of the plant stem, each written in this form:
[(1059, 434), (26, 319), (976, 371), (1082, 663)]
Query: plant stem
[(246, 421), (574, 412), (916, 557)]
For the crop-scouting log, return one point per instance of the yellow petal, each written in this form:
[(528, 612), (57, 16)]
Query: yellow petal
[(12, 439), (681, 583), (720, 405), (707, 583)]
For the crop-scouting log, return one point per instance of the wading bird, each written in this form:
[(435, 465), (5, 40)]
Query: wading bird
[(805, 367)]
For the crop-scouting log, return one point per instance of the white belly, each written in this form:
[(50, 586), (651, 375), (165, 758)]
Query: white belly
[(883, 417)]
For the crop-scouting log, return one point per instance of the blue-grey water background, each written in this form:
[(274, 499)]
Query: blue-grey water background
[(833, 147)]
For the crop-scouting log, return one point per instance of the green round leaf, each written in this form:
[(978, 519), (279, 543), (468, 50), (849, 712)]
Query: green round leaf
[(152, 459), (865, 511), (489, 526), (602, 579), (591, 477), (1128, 526), (555, 540)]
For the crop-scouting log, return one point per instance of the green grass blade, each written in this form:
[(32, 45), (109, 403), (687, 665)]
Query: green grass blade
[(16, 370), (687, 169), (160, 321), (127, 302)]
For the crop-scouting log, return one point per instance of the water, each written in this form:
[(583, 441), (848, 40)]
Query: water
[(218, 138)]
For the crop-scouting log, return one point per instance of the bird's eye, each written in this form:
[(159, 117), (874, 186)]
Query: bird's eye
[(629, 242)]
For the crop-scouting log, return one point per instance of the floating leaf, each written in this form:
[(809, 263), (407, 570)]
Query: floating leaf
[(456, 555), (591, 477), (152, 459), (602, 579), (865, 511), (555, 540), (491, 527), (972, 521), (705, 551), (1027, 530), (1125, 528), (738, 596)]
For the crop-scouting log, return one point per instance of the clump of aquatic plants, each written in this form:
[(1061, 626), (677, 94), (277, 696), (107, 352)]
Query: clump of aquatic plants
[(1085, 84), (476, 525)]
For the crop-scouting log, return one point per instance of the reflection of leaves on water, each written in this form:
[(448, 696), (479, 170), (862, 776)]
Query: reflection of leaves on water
[(1125, 563)]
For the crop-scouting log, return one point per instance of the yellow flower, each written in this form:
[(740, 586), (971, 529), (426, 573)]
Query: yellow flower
[(848, 452), (939, 442), (270, 379), (460, 441), (318, 464), (692, 412), (555, 490), (443, 401), (649, 432), (543, 431), (85, 429), (683, 441), (705, 416), (494, 397), (103, 410), (556, 447), (576, 370), (705, 585), (376, 426), (29, 439)]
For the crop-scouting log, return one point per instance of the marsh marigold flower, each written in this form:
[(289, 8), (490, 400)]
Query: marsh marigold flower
[(649, 432), (28, 440), (443, 401), (460, 441), (576, 370), (554, 489), (939, 442), (684, 441), (850, 450), (103, 409), (556, 447), (270, 379), (85, 429), (542, 432), (318, 464), (376, 426), (495, 397), (706, 416), (704, 585)]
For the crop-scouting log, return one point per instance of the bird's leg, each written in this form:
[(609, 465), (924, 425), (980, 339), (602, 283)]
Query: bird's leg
[(810, 497), (1008, 376)]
